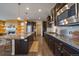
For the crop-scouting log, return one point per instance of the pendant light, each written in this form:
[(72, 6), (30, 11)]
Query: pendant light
[(18, 18)]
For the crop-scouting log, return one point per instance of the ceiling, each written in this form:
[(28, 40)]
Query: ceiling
[(10, 10)]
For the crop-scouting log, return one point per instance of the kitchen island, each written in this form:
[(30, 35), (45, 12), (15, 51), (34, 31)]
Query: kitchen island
[(19, 44), (61, 45)]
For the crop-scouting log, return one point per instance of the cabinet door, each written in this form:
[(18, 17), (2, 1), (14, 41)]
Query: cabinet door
[(52, 44), (57, 50), (47, 39), (29, 41), (66, 53), (58, 47), (71, 50), (72, 10), (21, 47)]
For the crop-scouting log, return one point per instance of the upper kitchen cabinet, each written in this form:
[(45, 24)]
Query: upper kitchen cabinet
[(66, 14), (55, 10)]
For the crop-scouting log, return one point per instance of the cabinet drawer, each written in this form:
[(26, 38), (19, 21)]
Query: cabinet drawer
[(58, 50), (66, 53), (58, 42), (72, 51)]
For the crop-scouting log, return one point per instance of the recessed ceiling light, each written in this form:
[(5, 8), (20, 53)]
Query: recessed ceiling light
[(39, 10), (27, 8)]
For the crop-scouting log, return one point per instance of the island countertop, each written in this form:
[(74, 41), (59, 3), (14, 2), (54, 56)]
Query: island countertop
[(14, 36), (65, 39)]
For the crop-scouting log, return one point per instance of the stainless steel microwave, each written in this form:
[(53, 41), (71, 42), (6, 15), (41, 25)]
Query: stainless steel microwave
[(71, 14)]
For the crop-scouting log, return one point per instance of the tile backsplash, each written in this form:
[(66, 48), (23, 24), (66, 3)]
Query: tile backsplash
[(68, 29)]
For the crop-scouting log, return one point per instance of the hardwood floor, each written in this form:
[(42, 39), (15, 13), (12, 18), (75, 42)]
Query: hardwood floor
[(39, 48), (34, 49), (45, 49)]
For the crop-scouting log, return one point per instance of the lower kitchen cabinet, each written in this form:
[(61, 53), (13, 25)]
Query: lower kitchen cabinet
[(50, 42), (66, 53), (57, 51), (22, 46), (69, 50), (60, 48)]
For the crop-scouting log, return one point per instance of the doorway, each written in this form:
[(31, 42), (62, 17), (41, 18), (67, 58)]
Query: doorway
[(39, 28)]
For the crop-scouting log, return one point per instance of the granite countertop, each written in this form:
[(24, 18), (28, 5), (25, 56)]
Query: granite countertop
[(23, 36), (66, 39), (6, 38)]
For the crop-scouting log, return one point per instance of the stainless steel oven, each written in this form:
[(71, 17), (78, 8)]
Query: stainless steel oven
[(73, 13)]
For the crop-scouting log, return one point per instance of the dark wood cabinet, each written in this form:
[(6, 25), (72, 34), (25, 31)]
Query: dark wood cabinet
[(72, 10), (50, 42), (44, 27), (60, 48), (66, 53), (54, 11), (57, 51), (22, 46), (30, 40), (69, 50)]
